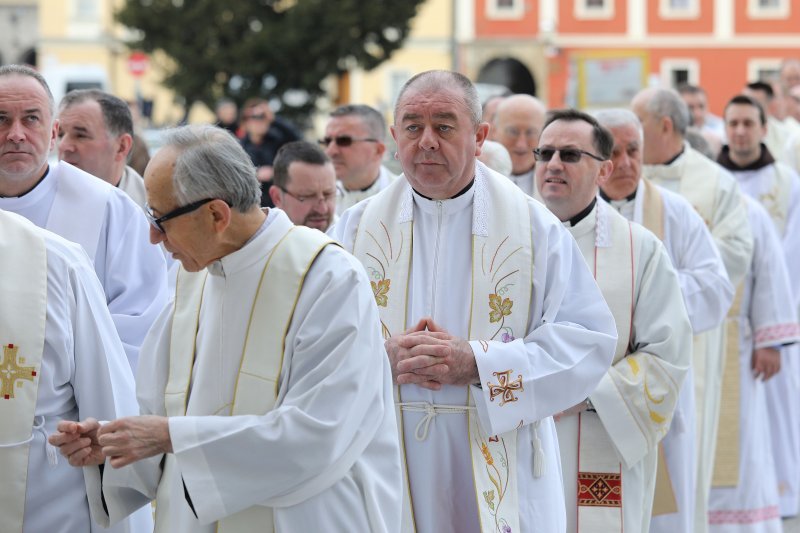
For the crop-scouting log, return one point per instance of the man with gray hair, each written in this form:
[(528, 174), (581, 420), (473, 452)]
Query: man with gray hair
[(669, 161), (707, 294), (79, 207), (354, 140), (95, 134), (492, 321), (287, 425)]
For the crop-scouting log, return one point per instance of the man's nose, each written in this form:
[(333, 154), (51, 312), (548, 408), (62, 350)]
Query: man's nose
[(16, 132), (156, 236), (428, 140)]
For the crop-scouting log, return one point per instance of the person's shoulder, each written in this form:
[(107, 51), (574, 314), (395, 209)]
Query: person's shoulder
[(335, 262)]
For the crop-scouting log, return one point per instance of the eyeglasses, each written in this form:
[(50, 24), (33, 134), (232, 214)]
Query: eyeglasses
[(344, 140), (260, 116), (567, 155), (327, 197), (156, 222)]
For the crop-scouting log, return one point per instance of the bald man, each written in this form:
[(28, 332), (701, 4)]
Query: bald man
[(517, 125)]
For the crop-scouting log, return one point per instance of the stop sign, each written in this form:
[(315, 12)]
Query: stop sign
[(138, 63)]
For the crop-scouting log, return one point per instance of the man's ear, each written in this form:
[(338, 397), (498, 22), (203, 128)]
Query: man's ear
[(275, 195), (221, 212), (124, 145), (606, 168)]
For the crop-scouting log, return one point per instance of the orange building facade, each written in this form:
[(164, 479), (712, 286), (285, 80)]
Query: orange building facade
[(599, 53)]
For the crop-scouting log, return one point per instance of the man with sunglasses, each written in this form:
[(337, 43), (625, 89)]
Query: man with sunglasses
[(707, 294), (492, 319), (611, 439), (669, 161), (304, 185), (264, 134), (265, 389), (354, 141), (65, 200)]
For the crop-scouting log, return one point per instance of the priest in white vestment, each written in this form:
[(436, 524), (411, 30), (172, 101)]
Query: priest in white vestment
[(707, 294), (745, 497), (79, 207), (61, 359), (777, 188), (517, 124), (493, 321), (265, 389), (713, 192), (609, 443)]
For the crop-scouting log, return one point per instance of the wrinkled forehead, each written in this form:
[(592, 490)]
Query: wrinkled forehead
[(441, 102)]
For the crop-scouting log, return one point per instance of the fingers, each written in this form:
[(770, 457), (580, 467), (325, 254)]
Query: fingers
[(423, 365), (416, 379)]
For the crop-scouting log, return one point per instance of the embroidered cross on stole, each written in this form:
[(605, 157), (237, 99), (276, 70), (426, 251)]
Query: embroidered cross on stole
[(257, 384), (23, 312), (501, 289)]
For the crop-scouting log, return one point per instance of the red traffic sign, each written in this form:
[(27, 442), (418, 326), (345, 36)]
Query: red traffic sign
[(138, 63)]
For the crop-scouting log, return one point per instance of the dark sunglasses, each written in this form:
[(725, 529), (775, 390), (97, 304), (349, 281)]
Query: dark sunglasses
[(567, 155), (344, 140), (156, 222)]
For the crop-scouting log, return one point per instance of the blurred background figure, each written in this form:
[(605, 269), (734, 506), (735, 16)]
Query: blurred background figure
[(709, 125), (518, 123), (495, 156), (227, 115), (264, 134)]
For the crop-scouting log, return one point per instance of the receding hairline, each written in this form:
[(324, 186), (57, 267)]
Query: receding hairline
[(37, 78), (439, 81)]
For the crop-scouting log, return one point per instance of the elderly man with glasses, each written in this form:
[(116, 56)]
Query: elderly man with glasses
[(264, 407), (609, 442), (354, 142)]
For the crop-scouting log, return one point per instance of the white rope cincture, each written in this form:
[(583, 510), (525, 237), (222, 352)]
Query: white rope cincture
[(50, 450), (431, 411)]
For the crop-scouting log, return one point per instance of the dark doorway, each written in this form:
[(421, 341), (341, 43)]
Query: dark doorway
[(510, 73)]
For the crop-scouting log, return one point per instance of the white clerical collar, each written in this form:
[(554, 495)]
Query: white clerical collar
[(256, 248), (452, 205), (595, 221)]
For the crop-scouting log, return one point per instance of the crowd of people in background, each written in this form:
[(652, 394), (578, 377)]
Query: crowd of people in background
[(554, 320)]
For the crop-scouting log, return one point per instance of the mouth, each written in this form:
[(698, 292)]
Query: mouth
[(555, 180)]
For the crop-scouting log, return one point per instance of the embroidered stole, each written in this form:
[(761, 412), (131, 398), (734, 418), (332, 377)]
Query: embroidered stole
[(502, 275), (664, 501), (726, 458), (262, 358), (83, 194), (600, 490), (23, 311)]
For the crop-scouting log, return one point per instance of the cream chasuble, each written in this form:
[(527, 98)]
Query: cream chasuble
[(502, 263), (613, 453), (23, 309)]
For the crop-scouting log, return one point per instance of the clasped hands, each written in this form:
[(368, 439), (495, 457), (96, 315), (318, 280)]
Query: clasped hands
[(428, 356), (123, 441)]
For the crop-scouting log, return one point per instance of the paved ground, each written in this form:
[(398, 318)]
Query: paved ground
[(791, 526)]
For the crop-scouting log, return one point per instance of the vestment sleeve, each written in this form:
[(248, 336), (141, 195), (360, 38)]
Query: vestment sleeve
[(569, 343), (637, 396)]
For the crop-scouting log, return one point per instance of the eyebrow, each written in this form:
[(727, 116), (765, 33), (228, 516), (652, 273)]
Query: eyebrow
[(438, 116)]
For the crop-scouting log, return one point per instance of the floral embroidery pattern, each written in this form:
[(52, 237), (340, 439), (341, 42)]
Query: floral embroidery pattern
[(651, 402), (500, 306), (381, 285), (498, 472), (505, 389), (381, 291)]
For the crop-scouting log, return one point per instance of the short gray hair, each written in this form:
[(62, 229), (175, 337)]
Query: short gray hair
[(438, 80), (370, 117), (617, 117), (668, 103), (116, 113), (24, 70), (211, 163)]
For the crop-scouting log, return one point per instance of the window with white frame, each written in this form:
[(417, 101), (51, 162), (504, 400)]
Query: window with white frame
[(677, 72), (768, 9), (85, 19), (763, 69), (594, 9), (679, 9), (505, 9)]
